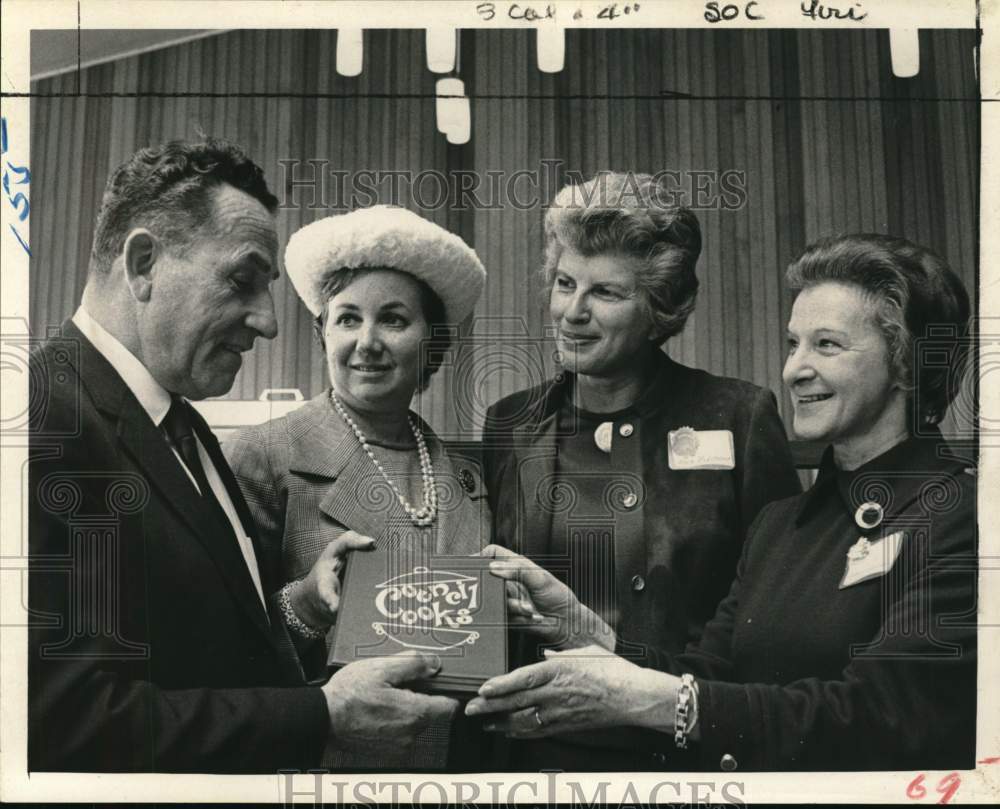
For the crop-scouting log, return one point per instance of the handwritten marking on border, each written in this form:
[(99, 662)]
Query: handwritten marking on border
[(946, 788), (19, 199)]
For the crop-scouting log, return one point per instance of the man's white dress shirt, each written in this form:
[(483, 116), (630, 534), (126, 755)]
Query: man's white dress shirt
[(155, 400)]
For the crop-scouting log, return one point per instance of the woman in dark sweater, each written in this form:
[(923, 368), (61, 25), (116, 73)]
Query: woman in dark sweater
[(848, 638), (629, 475)]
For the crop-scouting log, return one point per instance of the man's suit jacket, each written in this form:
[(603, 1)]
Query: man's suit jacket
[(150, 649)]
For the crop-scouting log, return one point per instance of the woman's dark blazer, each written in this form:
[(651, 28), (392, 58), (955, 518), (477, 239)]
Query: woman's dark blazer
[(803, 669), (675, 555)]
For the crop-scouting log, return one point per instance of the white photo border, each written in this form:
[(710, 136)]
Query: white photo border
[(19, 17)]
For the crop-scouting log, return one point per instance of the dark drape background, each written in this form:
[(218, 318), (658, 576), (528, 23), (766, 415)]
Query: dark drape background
[(826, 139)]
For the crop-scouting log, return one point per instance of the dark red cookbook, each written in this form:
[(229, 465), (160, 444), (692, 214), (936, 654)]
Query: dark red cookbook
[(450, 606)]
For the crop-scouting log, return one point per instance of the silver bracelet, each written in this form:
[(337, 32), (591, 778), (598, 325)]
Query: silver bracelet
[(296, 624), (685, 711)]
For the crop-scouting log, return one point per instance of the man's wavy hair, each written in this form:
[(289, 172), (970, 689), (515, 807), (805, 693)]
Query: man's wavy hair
[(167, 189), (910, 289), (630, 215)]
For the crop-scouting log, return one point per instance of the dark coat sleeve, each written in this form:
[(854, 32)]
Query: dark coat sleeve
[(908, 706)]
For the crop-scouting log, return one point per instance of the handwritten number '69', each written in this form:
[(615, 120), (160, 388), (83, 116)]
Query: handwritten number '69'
[(946, 787)]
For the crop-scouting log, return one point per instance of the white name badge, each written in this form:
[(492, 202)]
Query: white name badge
[(868, 560), (700, 449)]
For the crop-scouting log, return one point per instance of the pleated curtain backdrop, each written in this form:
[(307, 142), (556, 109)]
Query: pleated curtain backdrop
[(811, 125)]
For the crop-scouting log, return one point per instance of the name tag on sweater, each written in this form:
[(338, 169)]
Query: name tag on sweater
[(700, 449), (869, 560)]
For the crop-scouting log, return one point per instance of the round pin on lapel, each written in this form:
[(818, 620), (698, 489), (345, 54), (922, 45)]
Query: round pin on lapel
[(869, 515), (602, 436)]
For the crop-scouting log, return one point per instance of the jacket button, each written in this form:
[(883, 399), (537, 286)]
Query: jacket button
[(660, 758), (629, 500), (626, 430), (638, 583), (728, 763)]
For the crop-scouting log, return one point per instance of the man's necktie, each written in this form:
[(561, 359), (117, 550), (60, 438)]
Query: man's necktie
[(178, 426)]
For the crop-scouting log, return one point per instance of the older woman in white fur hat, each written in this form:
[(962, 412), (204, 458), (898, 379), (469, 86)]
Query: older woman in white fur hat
[(384, 285)]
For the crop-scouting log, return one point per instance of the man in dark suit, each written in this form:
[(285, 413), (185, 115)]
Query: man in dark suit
[(156, 643)]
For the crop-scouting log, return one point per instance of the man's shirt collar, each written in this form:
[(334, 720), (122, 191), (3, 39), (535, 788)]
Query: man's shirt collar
[(151, 395)]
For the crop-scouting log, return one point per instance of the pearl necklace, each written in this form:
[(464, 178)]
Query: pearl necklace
[(424, 515)]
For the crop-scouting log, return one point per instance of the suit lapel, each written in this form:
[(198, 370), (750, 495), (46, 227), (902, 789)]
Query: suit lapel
[(150, 451), (211, 444), (358, 499), (143, 441), (148, 448), (325, 447), (356, 496), (460, 520), (243, 588), (534, 467), (162, 468)]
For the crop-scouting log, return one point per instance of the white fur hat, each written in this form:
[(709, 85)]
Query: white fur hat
[(385, 236)]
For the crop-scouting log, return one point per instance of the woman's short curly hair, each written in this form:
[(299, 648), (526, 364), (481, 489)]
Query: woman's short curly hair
[(438, 341), (630, 214), (911, 290)]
